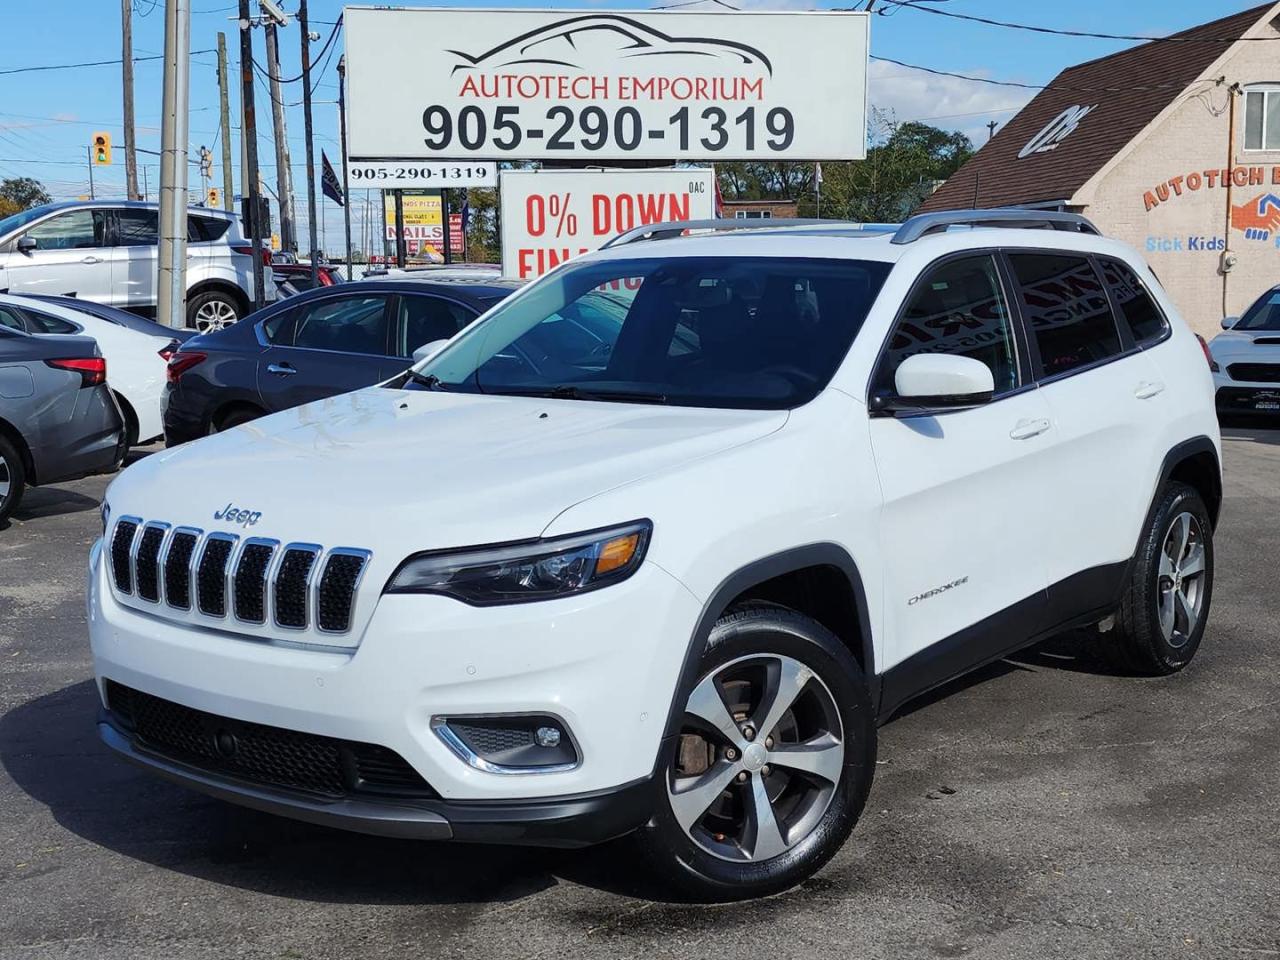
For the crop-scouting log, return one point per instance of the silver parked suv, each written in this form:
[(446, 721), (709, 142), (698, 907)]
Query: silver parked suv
[(105, 251)]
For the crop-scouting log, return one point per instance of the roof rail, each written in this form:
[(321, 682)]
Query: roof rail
[(676, 228), (1018, 217)]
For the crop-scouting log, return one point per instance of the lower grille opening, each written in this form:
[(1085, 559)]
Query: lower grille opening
[(263, 754)]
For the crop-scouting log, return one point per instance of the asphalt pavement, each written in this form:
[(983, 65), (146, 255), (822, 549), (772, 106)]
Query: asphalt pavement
[(1040, 808)]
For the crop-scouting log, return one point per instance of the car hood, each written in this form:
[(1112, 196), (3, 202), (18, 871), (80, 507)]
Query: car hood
[(1262, 346), (383, 468)]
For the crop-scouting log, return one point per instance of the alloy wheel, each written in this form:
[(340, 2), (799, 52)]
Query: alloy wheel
[(1180, 584), (6, 479), (759, 759), (214, 315)]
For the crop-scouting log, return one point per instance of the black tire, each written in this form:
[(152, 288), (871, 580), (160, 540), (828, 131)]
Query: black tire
[(226, 305), (12, 471), (741, 636), (1139, 642), (236, 417)]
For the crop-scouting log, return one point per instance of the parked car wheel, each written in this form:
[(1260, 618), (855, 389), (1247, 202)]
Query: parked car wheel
[(236, 417), (212, 310), (13, 479), (773, 762), (1162, 617)]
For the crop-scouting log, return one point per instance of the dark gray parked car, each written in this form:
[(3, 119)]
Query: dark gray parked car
[(58, 417)]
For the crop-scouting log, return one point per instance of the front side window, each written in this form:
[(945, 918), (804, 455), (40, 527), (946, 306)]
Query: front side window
[(137, 228), (1138, 309), (1262, 118), (73, 230), (957, 308), (1066, 309), (1263, 315), (347, 325), (765, 333)]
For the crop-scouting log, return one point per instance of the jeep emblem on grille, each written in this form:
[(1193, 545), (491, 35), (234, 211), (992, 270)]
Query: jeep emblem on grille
[(233, 514)]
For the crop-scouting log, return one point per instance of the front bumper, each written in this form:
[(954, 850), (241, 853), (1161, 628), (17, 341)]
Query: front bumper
[(563, 822), (1258, 399), (606, 663)]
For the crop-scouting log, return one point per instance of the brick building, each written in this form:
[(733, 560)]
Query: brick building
[(1172, 146)]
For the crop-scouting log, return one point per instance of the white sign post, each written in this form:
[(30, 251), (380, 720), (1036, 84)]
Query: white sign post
[(468, 85), (549, 216)]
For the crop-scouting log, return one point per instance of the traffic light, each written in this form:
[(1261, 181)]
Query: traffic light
[(100, 149), (214, 198)]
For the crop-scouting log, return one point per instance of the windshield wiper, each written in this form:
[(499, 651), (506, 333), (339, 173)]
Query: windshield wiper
[(566, 391), (428, 380)]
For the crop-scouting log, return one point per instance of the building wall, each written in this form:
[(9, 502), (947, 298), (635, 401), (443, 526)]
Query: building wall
[(773, 208), (1159, 198)]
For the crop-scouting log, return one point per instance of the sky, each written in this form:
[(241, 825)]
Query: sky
[(46, 117)]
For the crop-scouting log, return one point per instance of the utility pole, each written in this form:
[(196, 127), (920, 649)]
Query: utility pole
[(172, 282), (306, 120), (126, 67), (224, 106), (249, 137), (991, 129), (346, 187), (89, 154), (284, 181)]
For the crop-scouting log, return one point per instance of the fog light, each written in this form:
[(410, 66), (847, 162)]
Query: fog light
[(547, 737)]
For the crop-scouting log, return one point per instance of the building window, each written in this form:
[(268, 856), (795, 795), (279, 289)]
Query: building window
[(754, 214), (1262, 118)]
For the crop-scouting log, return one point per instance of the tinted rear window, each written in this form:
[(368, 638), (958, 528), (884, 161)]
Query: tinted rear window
[(1066, 309), (1138, 309)]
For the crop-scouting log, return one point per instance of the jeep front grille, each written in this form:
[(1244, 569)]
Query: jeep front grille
[(255, 580)]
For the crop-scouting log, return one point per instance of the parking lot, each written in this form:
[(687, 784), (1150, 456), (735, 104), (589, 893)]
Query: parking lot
[(1040, 808)]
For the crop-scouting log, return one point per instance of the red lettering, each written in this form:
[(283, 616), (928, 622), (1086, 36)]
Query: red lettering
[(1194, 181), (1176, 183), (1150, 201), (1240, 177), (1255, 176)]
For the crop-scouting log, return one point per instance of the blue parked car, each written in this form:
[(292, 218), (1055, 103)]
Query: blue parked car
[(323, 342)]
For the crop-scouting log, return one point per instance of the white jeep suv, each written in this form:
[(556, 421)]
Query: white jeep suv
[(656, 543), (105, 251)]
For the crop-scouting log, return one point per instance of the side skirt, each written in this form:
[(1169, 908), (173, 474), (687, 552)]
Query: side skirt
[(1080, 599)]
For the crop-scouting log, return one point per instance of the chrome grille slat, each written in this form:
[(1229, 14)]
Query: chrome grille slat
[(249, 584), (146, 560), (254, 580)]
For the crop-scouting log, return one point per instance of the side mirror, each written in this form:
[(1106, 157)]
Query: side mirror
[(26, 244), (429, 350), (1229, 322), (937, 381)]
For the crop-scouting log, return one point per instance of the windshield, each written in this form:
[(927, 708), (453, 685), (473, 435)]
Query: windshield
[(699, 331), (1263, 315), (9, 224)]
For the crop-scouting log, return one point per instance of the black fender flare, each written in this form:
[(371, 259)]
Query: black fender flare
[(756, 572)]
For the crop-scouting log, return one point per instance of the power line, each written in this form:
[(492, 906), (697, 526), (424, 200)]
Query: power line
[(87, 63), (1087, 34), (1029, 86), (332, 33)]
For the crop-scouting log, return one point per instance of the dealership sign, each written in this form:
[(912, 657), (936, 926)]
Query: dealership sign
[(549, 216), (574, 85)]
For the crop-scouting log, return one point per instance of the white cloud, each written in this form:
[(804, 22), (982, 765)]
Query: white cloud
[(947, 102)]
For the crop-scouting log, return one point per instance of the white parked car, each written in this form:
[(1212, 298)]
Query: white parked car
[(670, 584), (136, 361), (105, 251), (1246, 359)]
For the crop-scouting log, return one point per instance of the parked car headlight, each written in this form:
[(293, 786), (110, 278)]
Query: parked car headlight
[(531, 570), (105, 510)]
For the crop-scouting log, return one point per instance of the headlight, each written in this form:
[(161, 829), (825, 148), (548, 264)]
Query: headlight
[(532, 570), (106, 516)]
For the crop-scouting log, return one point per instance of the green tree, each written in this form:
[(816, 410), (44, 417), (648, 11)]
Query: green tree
[(21, 193)]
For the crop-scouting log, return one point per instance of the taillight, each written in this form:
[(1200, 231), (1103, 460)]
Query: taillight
[(1208, 357), (168, 350), (326, 278), (180, 363), (92, 370), (247, 251)]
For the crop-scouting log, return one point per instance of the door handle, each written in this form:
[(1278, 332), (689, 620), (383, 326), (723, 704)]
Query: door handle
[(91, 260), (1026, 429), (1146, 390), (281, 369)]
